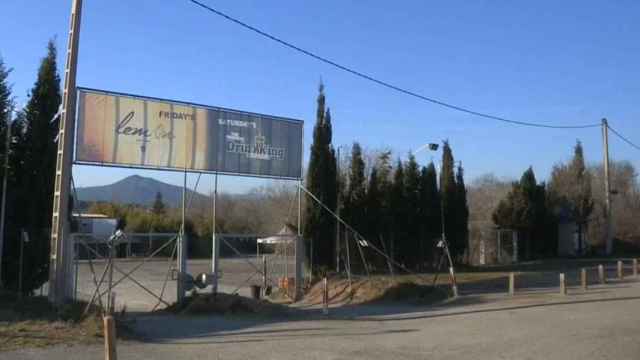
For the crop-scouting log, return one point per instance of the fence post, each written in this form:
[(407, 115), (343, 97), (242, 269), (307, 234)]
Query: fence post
[(601, 277), (635, 267), (512, 284), (325, 296), (563, 285), (583, 279), (620, 270), (109, 338), (264, 275)]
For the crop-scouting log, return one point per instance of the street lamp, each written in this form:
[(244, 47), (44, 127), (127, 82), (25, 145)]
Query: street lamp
[(443, 241)]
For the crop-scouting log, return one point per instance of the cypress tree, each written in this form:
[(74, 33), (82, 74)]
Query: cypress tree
[(37, 180), (429, 210), (411, 246), (355, 194), (398, 213), (319, 227), (355, 199), (6, 103), (462, 214), (448, 192), (373, 207), (383, 174)]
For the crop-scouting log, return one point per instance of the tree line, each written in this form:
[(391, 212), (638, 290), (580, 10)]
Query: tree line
[(30, 178), (398, 206)]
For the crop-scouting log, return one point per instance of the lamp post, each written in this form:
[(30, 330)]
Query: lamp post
[(443, 241)]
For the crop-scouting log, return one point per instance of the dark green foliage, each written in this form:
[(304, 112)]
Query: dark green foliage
[(448, 195), (6, 103), (410, 247), (397, 213), (33, 164), (319, 226), (374, 203), (354, 196), (429, 211), (525, 210), (461, 219)]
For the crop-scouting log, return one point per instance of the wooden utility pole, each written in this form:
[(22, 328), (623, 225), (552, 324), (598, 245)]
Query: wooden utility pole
[(607, 188), (60, 255)]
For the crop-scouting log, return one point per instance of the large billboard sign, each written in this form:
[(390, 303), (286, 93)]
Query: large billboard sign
[(132, 131)]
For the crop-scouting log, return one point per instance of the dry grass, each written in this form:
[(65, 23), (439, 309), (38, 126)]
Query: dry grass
[(399, 288), (225, 304), (32, 322)]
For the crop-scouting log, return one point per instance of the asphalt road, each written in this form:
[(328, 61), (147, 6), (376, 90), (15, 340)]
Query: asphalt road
[(238, 274), (602, 323)]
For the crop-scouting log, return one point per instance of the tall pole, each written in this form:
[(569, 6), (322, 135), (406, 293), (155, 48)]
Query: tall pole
[(607, 187), (61, 251), (4, 189), (215, 247), (338, 212), (182, 263), (445, 243)]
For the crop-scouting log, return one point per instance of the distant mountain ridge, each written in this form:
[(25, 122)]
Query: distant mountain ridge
[(137, 190)]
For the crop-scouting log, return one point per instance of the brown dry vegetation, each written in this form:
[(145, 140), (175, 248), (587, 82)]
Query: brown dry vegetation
[(225, 304), (33, 322)]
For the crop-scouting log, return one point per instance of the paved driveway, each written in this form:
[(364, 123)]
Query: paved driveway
[(603, 323)]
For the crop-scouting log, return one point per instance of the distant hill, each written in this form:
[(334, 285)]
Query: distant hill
[(138, 190)]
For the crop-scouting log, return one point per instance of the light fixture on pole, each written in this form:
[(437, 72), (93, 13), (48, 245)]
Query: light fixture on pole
[(443, 241)]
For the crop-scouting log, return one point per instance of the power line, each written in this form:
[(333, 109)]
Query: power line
[(383, 83), (623, 138)]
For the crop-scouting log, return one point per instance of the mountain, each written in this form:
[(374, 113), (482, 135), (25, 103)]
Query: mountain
[(138, 190)]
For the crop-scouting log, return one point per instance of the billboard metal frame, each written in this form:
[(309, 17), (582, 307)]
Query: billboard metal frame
[(80, 89)]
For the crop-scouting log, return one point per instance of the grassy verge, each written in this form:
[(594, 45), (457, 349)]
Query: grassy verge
[(32, 322)]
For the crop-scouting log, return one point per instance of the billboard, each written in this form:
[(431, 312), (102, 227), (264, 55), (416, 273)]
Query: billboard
[(132, 131)]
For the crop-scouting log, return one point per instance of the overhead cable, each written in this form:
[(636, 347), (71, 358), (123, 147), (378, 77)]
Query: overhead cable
[(381, 82), (623, 138)]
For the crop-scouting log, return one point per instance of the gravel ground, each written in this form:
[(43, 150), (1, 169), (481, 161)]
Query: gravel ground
[(602, 323)]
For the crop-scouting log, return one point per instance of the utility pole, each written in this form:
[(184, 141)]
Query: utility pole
[(607, 187), (4, 189), (338, 212), (60, 255)]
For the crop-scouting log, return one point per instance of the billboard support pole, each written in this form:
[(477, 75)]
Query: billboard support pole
[(299, 245), (60, 250), (182, 263), (215, 245)]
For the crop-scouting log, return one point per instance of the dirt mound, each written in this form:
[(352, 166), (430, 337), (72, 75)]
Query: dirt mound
[(225, 304), (375, 289)]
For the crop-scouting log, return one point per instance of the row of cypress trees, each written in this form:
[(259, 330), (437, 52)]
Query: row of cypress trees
[(30, 176), (396, 207)]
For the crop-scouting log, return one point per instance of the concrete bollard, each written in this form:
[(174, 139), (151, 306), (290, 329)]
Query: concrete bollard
[(583, 279), (109, 338), (325, 297), (635, 267), (620, 270), (601, 277), (563, 285), (512, 284)]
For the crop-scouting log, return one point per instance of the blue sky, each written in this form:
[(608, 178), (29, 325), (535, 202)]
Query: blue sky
[(569, 62)]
